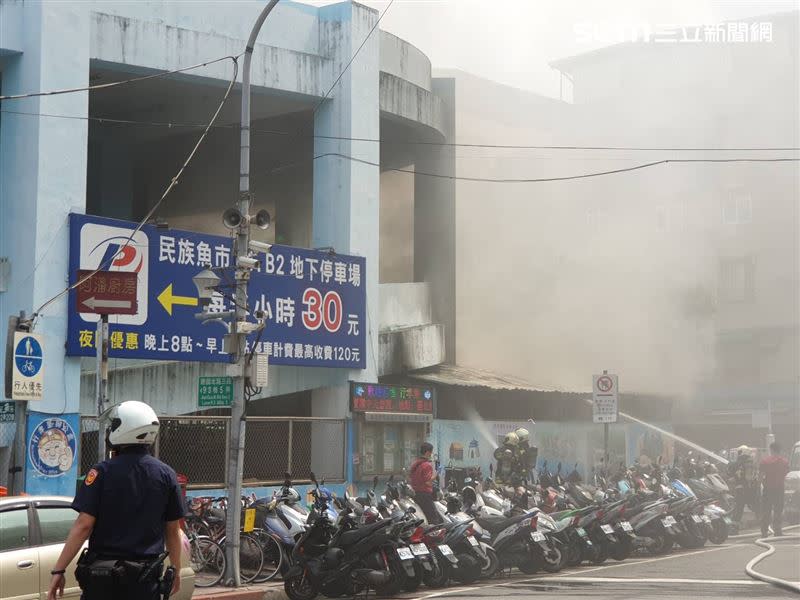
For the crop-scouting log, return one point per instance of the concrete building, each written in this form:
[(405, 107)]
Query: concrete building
[(730, 230), (317, 143)]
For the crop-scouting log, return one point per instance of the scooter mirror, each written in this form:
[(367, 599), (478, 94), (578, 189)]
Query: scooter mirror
[(374, 482)]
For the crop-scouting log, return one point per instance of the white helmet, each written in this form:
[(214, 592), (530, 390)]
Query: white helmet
[(132, 423), (523, 434), (511, 439)]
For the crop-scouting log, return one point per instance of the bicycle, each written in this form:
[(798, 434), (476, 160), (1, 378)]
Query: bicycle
[(207, 560)]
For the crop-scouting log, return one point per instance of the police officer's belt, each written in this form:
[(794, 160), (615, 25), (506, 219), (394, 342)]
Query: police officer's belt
[(96, 567)]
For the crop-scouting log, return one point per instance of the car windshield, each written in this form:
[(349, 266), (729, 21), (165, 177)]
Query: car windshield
[(794, 462)]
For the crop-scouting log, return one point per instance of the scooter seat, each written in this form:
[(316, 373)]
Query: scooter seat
[(498, 524), (350, 538)]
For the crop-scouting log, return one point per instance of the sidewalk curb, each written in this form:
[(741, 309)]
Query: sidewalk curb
[(233, 595), (275, 594), (272, 593)]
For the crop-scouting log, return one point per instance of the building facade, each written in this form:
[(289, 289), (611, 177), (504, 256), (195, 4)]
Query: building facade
[(319, 135)]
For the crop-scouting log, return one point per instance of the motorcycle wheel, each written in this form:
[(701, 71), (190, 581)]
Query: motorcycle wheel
[(574, 554), (622, 550), (552, 564), (690, 541), (395, 583), (718, 534), (439, 575), (468, 570), (599, 554), (661, 545), (299, 587), (530, 565), (411, 584), (492, 565)]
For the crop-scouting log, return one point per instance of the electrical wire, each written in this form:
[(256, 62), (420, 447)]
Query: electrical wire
[(352, 58), (173, 182), (102, 86), (178, 124), (564, 178)]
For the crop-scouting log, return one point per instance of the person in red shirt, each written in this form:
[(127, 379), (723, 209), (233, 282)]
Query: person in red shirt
[(773, 471), (422, 476)]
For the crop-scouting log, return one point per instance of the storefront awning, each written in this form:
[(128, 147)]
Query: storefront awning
[(393, 417), (467, 376)]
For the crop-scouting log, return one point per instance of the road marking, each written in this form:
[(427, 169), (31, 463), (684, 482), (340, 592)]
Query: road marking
[(629, 563), (649, 580), (757, 533), (555, 578)]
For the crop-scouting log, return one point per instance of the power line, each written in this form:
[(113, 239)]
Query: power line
[(564, 178), (102, 86), (187, 125), (352, 58), (173, 182)]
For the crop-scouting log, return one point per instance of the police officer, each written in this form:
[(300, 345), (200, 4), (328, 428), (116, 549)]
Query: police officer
[(129, 508)]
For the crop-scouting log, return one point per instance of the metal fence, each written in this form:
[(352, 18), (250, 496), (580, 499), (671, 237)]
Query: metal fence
[(198, 448)]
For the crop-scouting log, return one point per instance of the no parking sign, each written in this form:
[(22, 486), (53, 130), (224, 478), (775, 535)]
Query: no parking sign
[(605, 398)]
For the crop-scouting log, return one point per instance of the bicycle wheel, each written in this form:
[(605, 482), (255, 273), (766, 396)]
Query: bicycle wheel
[(273, 556), (207, 560), (251, 558)]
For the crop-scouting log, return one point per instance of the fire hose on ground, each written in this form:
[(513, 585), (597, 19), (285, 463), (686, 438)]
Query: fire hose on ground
[(770, 550)]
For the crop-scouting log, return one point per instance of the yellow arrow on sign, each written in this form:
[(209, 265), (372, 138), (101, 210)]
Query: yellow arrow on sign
[(168, 300)]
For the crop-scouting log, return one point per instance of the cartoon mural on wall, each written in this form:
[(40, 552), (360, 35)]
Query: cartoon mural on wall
[(464, 444), (52, 465), (645, 445)]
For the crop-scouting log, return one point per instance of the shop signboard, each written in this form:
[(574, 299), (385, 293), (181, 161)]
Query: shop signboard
[(375, 397)]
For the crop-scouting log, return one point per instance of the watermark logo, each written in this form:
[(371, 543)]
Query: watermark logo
[(735, 32)]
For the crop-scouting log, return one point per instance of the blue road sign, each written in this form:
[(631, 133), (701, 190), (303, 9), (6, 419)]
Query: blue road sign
[(28, 356), (314, 302)]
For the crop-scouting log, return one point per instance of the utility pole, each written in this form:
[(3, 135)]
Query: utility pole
[(239, 330), (605, 439), (101, 382)]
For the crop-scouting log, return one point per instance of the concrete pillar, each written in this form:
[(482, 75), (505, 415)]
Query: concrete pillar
[(43, 178), (346, 192), (435, 222)]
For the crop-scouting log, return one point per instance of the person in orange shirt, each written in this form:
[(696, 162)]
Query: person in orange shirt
[(773, 472)]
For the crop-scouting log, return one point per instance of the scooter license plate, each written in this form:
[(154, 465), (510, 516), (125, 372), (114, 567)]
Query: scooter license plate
[(607, 529), (537, 536), (405, 554), (419, 549), (473, 541), (626, 526), (581, 531), (445, 550), (668, 521), (697, 519)]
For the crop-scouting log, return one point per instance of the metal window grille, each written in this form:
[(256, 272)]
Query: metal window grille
[(198, 448)]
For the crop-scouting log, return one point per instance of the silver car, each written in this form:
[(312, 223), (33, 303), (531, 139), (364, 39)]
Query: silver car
[(33, 530)]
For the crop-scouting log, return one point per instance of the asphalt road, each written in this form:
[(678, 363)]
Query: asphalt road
[(712, 572)]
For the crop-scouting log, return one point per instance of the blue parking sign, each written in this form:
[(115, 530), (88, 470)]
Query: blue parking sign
[(314, 302)]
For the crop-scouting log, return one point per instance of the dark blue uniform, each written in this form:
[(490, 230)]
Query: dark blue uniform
[(131, 496)]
